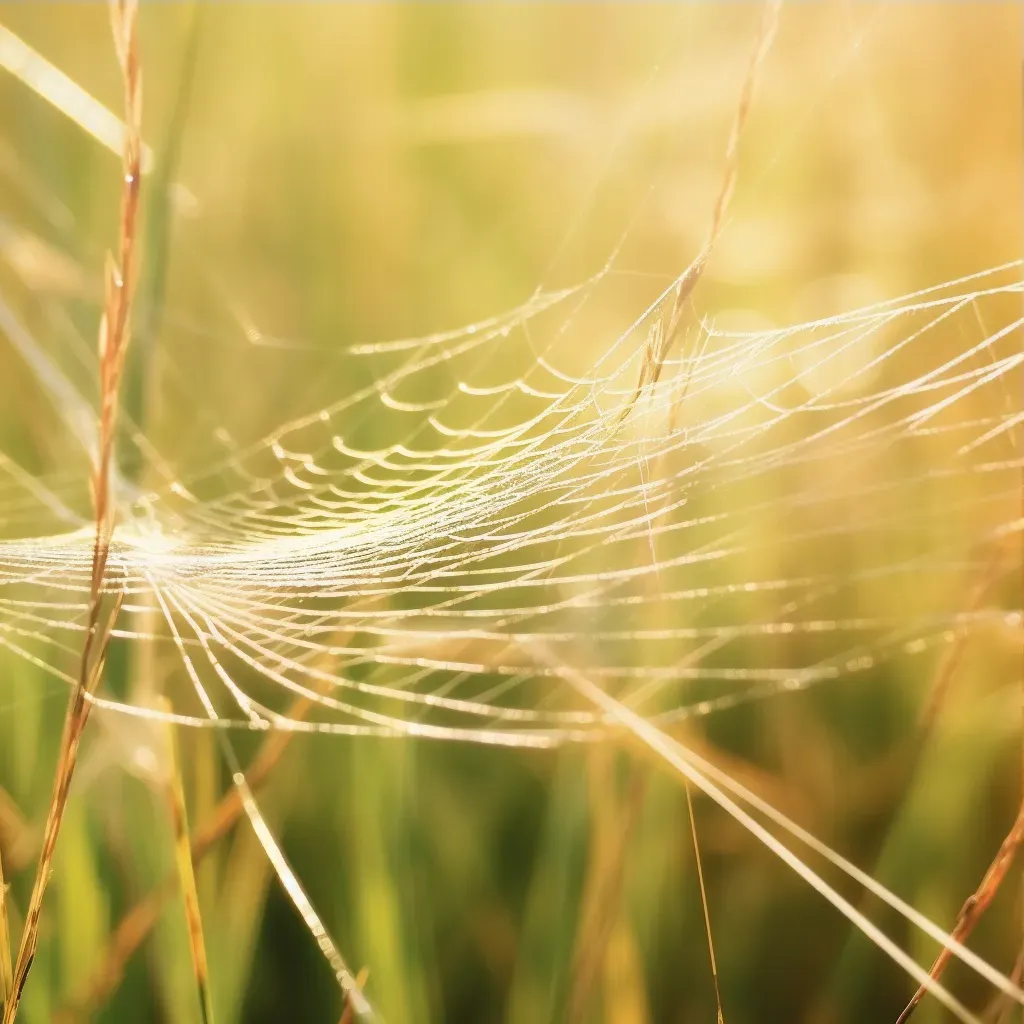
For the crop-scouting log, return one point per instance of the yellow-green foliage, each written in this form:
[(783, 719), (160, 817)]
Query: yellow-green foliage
[(326, 178)]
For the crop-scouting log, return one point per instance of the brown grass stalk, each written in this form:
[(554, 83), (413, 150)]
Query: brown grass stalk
[(665, 331), (186, 872), (704, 902), (975, 906), (113, 341), (885, 784), (136, 925)]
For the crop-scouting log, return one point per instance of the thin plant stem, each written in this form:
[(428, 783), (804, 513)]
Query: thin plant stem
[(113, 340), (186, 872), (975, 906), (136, 925), (665, 330), (704, 901)]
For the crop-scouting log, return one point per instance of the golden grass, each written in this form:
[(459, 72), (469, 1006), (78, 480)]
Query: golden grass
[(665, 330), (704, 901), (186, 871), (113, 342), (974, 907), (134, 927), (139, 921)]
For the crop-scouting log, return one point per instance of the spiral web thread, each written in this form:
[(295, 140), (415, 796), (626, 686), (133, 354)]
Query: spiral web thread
[(427, 569)]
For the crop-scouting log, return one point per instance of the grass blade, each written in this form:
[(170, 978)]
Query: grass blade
[(49, 82), (186, 873), (113, 341)]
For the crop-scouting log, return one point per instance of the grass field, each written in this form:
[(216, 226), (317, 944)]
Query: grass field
[(492, 538)]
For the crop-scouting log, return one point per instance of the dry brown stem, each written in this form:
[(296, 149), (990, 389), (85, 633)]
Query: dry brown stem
[(136, 925), (113, 342), (975, 905), (704, 902), (664, 331)]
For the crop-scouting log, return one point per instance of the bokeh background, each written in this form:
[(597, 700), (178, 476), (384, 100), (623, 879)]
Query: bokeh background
[(329, 174)]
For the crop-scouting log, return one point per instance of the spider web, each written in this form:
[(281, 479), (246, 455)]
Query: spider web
[(406, 588)]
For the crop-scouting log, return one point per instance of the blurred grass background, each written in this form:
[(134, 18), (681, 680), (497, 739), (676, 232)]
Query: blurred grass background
[(356, 172)]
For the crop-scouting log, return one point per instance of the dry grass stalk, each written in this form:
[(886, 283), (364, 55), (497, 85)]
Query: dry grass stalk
[(704, 902), (74, 724), (886, 783), (136, 925), (664, 332), (186, 873), (113, 342), (975, 905)]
